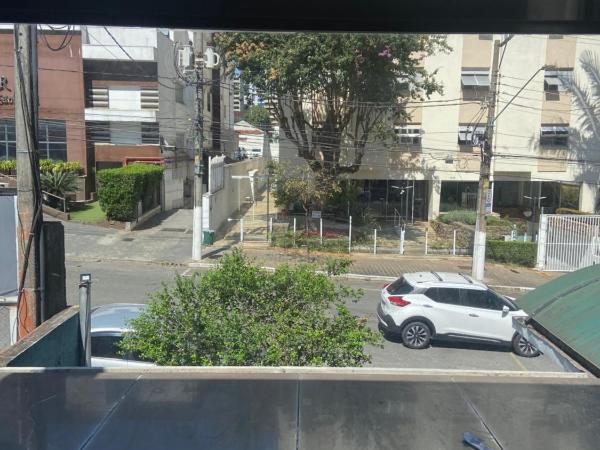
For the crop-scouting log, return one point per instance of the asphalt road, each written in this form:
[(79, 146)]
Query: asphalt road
[(115, 282)]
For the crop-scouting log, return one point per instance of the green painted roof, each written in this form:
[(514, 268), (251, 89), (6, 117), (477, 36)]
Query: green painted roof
[(569, 308)]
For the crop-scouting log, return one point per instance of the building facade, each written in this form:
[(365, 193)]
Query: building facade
[(61, 131), (544, 150)]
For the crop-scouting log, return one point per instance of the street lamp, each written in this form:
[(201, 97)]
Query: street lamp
[(403, 189)]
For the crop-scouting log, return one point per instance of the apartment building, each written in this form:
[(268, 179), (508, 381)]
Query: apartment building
[(542, 150), (61, 132), (539, 144)]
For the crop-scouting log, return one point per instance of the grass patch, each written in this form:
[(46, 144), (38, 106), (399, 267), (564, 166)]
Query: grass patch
[(89, 213), (498, 221), (460, 215)]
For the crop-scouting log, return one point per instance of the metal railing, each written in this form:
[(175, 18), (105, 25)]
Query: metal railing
[(64, 200)]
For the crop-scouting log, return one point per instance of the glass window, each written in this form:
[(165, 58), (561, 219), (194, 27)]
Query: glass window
[(7, 139), (52, 139), (481, 299), (449, 296), (106, 346), (125, 133), (399, 287)]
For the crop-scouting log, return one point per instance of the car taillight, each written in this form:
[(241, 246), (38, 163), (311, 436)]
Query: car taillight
[(398, 301)]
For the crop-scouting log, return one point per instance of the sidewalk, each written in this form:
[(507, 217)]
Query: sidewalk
[(393, 266)]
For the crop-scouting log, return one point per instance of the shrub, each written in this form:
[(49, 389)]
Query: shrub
[(120, 190), (8, 166), (498, 221), (68, 166), (569, 211), (514, 252), (241, 315), (460, 215), (59, 183)]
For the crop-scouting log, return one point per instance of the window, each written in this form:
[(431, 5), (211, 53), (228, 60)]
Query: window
[(410, 135), (449, 296), (471, 134), (52, 139), (554, 136), (106, 346), (557, 80), (482, 299), (475, 78), (8, 144), (125, 133), (150, 133), (124, 98), (400, 287)]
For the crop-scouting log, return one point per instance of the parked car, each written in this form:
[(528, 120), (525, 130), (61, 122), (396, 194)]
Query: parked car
[(108, 324), (422, 306)]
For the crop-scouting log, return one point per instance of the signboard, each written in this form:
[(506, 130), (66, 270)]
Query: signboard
[(316, 214), (489, 199)]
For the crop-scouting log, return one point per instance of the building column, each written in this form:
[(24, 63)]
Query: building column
[(433, 204), (587, 197)]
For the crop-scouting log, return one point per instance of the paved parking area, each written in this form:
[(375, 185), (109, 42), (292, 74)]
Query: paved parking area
[(441, 355)]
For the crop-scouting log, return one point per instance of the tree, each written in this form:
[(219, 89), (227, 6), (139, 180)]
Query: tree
[(258, 116), (300, 185), (239, 314), (334, 93)]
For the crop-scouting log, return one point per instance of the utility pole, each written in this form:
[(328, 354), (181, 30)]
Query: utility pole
[(29, 198), (198, 165), (484, 174), (210, 61)]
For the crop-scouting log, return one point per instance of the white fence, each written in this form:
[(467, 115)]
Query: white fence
[(568, 242)]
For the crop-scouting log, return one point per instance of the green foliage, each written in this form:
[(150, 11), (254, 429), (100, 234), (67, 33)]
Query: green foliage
[(120, 189), (359, 81), (241, 315), (569, 211), (88, 213), (460, 215), (258, 116), (299, 184), (59, 183), (498, 221), (46, 165), (513, 252), (8, 166)]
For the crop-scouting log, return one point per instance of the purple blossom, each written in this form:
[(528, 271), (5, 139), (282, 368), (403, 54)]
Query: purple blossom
[(385, 52)]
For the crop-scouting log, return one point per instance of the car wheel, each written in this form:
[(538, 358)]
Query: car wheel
[(523, 347), (416, 335)]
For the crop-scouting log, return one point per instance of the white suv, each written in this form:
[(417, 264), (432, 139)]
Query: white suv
[(421, 306)]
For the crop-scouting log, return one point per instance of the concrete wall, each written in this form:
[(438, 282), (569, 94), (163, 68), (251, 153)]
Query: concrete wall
[(224, 203), (55, 343)]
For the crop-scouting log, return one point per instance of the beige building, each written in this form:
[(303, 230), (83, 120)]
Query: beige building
[(539, 140)]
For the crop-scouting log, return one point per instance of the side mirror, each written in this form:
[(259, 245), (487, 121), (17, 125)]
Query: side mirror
[(505, 310)]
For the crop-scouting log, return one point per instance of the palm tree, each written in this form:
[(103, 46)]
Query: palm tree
[(58, 183)]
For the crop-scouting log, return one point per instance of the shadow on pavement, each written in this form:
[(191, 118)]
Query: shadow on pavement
[(397, 339)]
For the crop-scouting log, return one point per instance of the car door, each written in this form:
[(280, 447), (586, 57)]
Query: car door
[(484, 315), (445, 311)]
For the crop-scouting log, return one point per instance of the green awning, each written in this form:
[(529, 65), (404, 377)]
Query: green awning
[(568, 307)]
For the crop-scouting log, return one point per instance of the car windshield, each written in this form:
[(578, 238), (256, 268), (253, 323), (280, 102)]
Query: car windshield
[(399, 287)]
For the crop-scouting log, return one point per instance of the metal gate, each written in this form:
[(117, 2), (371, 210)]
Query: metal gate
[(568, 242)]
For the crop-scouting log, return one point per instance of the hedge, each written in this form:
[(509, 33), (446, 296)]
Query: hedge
[(570, 211), (460, 215), (46, 165), (120, 190), (514, 252)]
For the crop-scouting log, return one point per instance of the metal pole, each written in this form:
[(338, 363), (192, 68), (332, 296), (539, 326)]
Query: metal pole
[(350, 236), (484, 174), (198, 167), (29, 195), (412, 212), (294, 238), (269, 220), (402, 241), (426, 236), (85, 313), (242, 230), (374, 241), (321, 230), (270, 235), (454, 243)]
